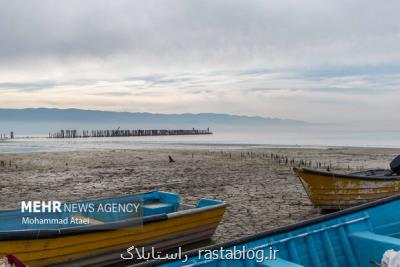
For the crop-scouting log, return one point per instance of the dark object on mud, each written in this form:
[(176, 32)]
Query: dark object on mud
[(395, 165), (171, 159)]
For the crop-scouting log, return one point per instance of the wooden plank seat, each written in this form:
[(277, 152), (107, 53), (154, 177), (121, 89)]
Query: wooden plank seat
[(373, 245)]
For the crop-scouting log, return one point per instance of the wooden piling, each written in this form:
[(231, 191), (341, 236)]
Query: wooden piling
[(124, 133)]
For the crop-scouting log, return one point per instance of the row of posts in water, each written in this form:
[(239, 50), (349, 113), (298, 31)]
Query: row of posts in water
[(5, 136), (118, 133)]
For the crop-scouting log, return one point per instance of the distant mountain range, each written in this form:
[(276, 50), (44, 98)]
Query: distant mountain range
[(46, 119)]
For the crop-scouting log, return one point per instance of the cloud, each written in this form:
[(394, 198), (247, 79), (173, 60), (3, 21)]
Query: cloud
[(198, 34), (307, 60)]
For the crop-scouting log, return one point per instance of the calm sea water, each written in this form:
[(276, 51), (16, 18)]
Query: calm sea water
[(219, 140)]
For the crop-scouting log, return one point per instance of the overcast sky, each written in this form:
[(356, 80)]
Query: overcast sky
[(319, 61)]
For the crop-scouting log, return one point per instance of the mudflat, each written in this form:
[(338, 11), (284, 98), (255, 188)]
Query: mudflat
[(258, 185)]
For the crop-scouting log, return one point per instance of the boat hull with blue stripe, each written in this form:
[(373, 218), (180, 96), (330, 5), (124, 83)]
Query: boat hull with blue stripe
[(164, 223)]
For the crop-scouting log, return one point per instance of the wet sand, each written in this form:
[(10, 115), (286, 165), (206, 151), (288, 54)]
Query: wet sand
[(261, 192)]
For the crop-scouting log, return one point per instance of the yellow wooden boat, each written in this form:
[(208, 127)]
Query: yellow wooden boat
[(329, 190), (102, 237)]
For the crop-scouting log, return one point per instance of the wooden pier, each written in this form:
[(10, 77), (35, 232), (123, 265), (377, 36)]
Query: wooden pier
[(124, 133), (4, 136)]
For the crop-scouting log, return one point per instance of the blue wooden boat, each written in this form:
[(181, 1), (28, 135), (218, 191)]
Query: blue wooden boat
[(356, 237), (85, 233)]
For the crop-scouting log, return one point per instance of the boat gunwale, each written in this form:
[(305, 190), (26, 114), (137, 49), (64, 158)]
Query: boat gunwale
[(278, 230), (30, 234), (348, 176)]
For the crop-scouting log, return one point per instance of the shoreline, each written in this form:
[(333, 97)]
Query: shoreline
[(76, 146)]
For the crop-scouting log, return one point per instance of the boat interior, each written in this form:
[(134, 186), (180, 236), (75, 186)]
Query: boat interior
[(375, 173)]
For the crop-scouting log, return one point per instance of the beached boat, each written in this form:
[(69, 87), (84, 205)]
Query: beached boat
[(82, 233), (329, 190), (355, 237)]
